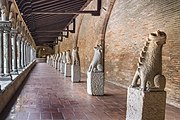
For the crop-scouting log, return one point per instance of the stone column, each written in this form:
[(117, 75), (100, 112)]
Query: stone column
[(22, 53), (31, 54), (14, 51), (7, 49), (25, 54), (1, 52), (34, 54), (19, 51)]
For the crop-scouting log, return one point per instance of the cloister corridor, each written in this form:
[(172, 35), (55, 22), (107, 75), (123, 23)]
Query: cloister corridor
[(89, 60), (47, 95)]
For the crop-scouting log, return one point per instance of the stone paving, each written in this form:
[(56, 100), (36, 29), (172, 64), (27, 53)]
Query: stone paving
[(47, 95)]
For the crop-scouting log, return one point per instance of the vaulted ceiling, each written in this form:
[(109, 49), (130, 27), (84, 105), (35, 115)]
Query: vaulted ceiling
[(48, 19)]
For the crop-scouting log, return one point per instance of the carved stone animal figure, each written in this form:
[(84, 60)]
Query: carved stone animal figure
[(96, 61), (75, 56), (64, 57), (56, 60), (149, 70), (60, 57), (68, 57), (59, 60)]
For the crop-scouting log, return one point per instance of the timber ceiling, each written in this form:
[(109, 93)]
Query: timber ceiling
[(47, 19)]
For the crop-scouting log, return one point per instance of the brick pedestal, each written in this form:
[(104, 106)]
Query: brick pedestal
[(145, 105), (95, 83)]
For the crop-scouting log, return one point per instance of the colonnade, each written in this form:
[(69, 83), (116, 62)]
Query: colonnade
[(16, 48)]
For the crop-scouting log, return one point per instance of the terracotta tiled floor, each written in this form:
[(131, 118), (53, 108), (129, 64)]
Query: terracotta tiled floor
[(47, 95)]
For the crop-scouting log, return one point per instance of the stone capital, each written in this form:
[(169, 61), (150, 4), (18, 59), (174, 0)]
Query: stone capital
[(14, 32), (19, 36), (23, 39), (6, 25)]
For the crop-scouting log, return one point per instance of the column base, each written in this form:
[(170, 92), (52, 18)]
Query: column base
[(75, 73), (67, 70), (95, 83), (142, 105), (14, 72), (6, 78)]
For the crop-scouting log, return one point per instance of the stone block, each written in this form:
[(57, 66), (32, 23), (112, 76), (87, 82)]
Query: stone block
[(58, 66), (95, 83), (62, 68), (143, 105), (75, 73), (67, 70)]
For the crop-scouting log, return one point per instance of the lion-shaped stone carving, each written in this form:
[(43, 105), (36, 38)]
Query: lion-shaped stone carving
[(75, 56), (96, 65), (56, 60), (68, 57), (59, 60), (149, 70), (63, 57)]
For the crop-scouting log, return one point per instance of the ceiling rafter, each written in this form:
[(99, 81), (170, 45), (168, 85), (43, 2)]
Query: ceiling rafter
[(46, 19)]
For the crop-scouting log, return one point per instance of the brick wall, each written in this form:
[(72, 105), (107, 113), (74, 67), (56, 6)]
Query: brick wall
[(129, 25)]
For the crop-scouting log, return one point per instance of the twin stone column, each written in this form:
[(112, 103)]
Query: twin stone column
[(6, 48), (13, 51)]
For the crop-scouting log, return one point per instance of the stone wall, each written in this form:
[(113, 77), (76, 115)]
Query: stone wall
[(128, 27)]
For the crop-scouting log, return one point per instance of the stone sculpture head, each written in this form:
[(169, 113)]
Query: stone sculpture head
[(99, 48), (158, 37)]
